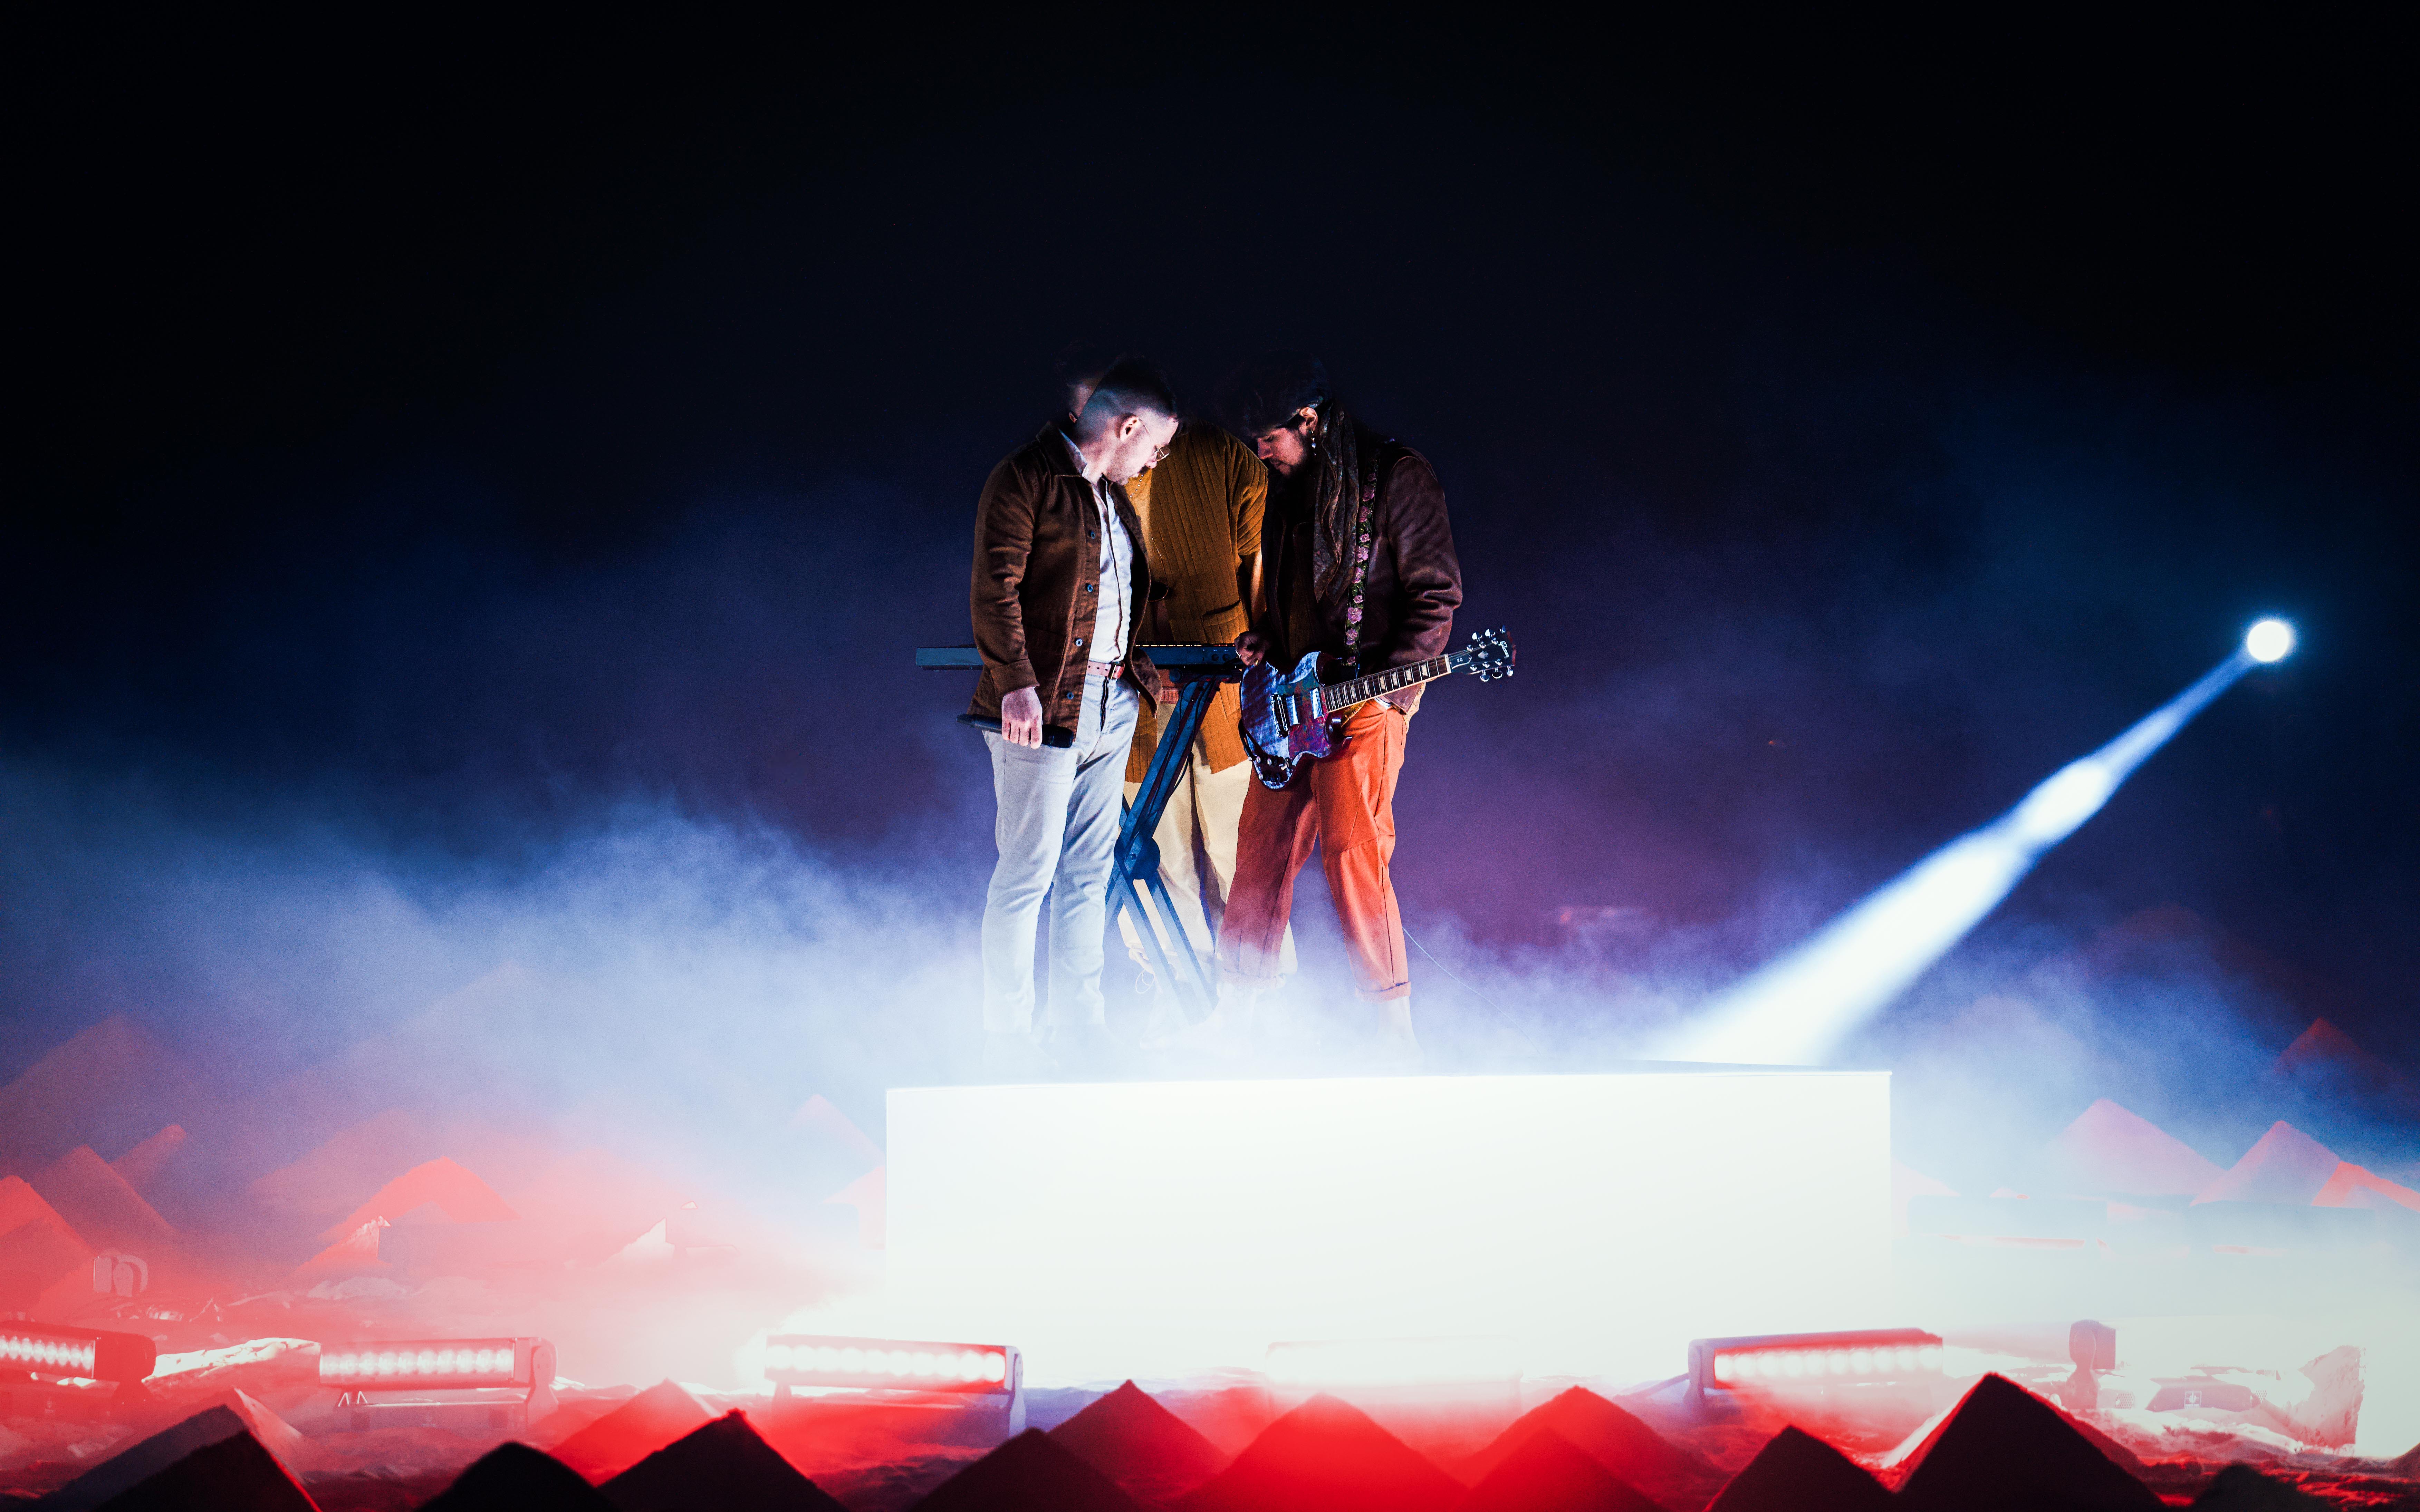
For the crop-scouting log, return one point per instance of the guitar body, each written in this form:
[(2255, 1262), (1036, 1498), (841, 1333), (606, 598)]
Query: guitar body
[(1292, 719), (1279, 729)]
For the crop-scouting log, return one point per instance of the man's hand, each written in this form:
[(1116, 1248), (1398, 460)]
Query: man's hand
[(1250, 645), (1020, 717)]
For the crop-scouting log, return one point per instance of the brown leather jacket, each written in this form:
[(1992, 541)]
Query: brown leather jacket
[(1036, 576), (1414, 582)]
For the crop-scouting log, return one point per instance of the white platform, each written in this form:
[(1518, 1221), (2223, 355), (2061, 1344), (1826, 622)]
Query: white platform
[(1599, 1221)]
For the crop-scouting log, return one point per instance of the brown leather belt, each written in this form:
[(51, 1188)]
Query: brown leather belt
[(1104, 669)]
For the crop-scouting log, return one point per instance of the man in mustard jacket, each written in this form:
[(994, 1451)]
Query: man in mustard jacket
[(1201, 509)]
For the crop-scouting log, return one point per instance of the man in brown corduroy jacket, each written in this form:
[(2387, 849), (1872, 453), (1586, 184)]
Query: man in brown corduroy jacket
[(1200, 511), (1061, 579)]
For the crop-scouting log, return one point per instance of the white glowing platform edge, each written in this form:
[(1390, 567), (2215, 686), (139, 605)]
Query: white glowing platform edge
[(1596, 1222)]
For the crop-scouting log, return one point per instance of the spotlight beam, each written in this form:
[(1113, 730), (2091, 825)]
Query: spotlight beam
[(1797, 1010)]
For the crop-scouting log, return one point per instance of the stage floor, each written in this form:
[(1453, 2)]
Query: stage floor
[(1597, 1222)]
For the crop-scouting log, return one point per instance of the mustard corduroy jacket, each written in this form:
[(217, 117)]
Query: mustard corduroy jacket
[(1201, 509)]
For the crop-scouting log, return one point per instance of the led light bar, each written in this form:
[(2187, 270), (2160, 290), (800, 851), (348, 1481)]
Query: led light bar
[(890, 1365), (1800, 1361), (76, 1353), (1485, 1360), (355, 1370), (434, 1364)]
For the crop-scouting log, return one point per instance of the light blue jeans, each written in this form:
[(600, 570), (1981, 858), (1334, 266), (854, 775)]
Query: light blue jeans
[(1057, 832)]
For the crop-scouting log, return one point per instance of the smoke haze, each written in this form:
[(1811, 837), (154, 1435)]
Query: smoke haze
[(551, 753)]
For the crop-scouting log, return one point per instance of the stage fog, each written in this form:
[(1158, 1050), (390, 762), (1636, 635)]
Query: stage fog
[(494, 872)]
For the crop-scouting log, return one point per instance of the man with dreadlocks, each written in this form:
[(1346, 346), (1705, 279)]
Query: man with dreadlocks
[(1361, 569)]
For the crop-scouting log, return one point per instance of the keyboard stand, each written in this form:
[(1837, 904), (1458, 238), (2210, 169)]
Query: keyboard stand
[(1134, 873)]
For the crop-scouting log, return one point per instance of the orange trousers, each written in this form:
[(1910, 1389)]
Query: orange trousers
[(1347, 806)]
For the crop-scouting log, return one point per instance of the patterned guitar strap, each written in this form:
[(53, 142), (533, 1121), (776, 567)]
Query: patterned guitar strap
[(1358, 582)]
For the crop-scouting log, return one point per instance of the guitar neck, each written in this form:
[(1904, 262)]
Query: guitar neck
[(1338, 697)]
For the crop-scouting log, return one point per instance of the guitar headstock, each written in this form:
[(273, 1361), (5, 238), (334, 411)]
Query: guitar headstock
[(1491, 654)]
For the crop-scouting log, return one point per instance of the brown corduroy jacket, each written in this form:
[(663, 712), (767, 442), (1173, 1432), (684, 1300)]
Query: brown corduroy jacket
[(1037, 577), (1201, 509)]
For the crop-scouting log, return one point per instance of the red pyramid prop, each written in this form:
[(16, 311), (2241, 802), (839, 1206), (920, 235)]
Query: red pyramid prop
[(1327, 1455), (2357, 1186), (2112, 1149), (1629, 1450), (1030, 1473), (332, 1177), (35, 1239), (234, 1474), (1545, 1474), (87, 1090), (98, 1204), (20, 1204), (601, 1200), (2324, 1057), (2003, 1449), (140, 1167), (1796, 1472), (632, 1431), (232, 1415), (1142, 1446), (724, 1464), (817, 1113), (514, 1477), (2287, 1166), (356, 1253), (440, 1183)]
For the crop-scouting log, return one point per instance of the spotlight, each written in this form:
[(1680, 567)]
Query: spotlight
[(440, 1364), (988, 1377), (77, 1353), (1862, 1359), (1799, 1008), (2269, 640)]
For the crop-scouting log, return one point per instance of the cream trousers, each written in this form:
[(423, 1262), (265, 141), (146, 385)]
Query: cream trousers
[(1200, 821)]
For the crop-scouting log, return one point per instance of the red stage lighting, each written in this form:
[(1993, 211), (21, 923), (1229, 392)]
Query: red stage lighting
[(890, 1364), (440, 1364), (76, 1353), (986, 1375), (1799, 1362)]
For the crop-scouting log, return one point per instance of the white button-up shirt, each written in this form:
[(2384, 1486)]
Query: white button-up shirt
[(1107, 642)]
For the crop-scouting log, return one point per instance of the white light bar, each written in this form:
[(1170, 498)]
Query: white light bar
[(76, 1353), (1803, 1362), (52, 1356), (432, 1365), (1411, 1362), (890, 1365)]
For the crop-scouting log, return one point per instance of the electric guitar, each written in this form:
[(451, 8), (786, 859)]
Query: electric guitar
[(1292, 718)]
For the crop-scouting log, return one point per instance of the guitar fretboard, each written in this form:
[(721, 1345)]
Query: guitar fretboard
[(1338, 697)]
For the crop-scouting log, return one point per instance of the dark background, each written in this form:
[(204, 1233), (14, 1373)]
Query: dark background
[(454, 432)]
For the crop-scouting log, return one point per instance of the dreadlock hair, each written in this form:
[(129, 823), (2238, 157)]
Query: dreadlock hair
[(1270, 390)]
